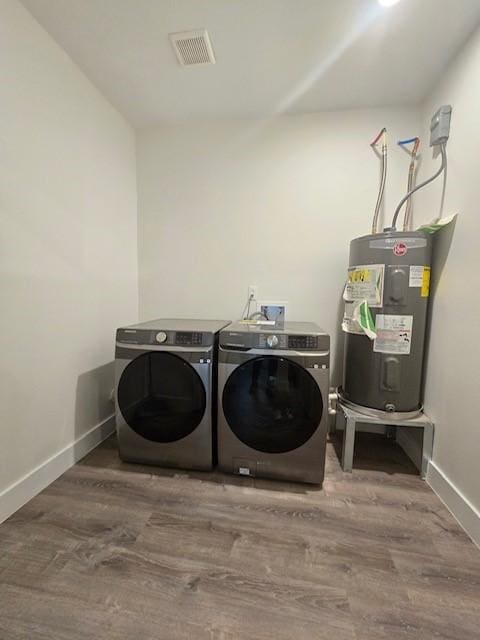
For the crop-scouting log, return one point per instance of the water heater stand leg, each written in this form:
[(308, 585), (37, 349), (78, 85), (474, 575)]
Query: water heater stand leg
[(348, 444)]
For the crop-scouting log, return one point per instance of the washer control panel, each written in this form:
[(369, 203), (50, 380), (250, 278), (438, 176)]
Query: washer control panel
[(282, 341), (272, 341), (291, 339)]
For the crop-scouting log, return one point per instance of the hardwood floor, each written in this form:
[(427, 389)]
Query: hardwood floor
[(115, 551)]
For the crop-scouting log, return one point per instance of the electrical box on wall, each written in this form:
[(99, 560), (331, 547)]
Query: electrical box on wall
[(275, 311), (440, 125)]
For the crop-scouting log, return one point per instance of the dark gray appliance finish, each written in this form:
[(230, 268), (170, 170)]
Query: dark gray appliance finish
[(273, 384), (165, 392), (177, 331), (387, 381), (304, 336)]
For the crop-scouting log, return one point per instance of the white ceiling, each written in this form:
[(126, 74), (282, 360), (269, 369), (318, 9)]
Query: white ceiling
[(273, 56)]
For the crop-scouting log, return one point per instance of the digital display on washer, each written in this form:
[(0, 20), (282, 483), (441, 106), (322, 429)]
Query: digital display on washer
[(188, 337), (302, 342)]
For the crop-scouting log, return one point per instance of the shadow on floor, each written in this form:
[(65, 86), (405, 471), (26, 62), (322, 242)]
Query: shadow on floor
[(102, 456), (375, 452)]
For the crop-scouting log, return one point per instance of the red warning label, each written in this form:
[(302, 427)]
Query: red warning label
[(400, 249)]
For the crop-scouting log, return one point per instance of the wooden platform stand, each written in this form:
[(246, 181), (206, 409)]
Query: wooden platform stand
[(351, 418)]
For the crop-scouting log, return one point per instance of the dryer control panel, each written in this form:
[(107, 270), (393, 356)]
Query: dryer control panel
[(189, 338), (164, 337)]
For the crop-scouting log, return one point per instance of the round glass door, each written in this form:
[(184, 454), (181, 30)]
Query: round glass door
[(272, 404), (161, 397)]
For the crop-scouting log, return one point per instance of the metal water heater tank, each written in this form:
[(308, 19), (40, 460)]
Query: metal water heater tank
[(391, 272)]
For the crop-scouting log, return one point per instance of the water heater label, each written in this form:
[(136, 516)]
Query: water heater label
[(416, 275), (420, 277), (389, 243), (365, 282), (394, 334)]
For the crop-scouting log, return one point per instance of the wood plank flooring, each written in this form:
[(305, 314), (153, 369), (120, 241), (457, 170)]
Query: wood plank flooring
[(114, 551)]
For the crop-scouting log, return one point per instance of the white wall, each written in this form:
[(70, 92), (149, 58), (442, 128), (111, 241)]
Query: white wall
[(221, 205), (227, 204), (68, 254), (454, 355)]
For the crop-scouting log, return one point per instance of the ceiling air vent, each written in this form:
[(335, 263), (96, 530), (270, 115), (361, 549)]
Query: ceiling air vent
[(193, 47)]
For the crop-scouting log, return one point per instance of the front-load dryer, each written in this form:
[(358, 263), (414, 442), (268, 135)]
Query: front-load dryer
[(273, 385), (165, 392)]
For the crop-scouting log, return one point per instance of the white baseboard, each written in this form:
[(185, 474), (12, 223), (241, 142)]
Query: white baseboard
[(17, 494), (459, 506)]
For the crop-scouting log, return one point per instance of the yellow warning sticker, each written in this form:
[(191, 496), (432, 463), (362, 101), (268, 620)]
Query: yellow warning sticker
[(425, 290), (365, 283), (360, 275)]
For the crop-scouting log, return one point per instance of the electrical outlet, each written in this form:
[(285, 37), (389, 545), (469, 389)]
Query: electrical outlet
[(252, 292)]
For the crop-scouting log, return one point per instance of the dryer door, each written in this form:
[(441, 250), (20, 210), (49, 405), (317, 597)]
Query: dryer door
[(272, 404), (161, 396)]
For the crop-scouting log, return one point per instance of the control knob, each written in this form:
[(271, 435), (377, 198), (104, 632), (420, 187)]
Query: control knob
[(272, 341), (161, 337)]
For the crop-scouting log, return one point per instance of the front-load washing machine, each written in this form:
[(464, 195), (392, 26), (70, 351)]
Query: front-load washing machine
[(273, 385), (165, 392)]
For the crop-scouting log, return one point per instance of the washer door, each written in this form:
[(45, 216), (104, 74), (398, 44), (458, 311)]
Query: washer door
[(272, 404), (161, 397)]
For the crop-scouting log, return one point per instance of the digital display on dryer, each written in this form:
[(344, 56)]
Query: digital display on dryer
[(188, 338), (302, 342)]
